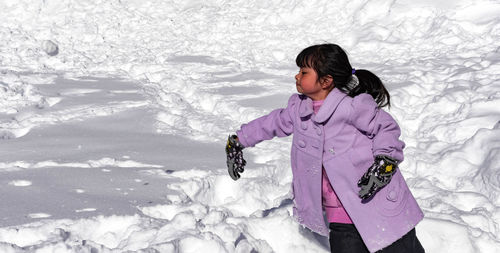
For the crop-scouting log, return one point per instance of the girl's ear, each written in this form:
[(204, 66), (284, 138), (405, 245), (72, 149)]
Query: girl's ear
[(326, 81)]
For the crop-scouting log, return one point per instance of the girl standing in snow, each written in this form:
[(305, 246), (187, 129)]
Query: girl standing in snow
[(345, 153)]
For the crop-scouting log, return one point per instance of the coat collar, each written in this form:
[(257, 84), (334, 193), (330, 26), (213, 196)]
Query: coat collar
[(331, 102)]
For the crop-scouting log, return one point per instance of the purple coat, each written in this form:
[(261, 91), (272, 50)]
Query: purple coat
[(344, 136)]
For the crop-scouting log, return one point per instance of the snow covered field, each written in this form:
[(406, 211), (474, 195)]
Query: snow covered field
[(114, 141)]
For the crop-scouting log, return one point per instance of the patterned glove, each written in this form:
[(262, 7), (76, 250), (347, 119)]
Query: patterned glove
[(377, 176), (235, 161)]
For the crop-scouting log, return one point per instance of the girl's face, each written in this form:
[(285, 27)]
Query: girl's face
[(308, 84)]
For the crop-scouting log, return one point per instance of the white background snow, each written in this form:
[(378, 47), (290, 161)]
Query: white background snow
[(114, 115)]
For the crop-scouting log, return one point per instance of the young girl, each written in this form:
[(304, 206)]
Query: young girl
[(344, 156)]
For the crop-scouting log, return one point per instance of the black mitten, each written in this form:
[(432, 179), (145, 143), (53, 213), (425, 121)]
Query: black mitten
[(235, 161), (377, 176)]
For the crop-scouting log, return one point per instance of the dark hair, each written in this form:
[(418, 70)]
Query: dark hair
[(331, 59)]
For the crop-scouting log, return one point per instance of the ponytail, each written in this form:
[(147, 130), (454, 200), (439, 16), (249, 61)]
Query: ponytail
[(371, 84), (331, 59)]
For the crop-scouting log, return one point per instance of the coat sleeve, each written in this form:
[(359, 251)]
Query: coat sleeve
[(277, 123), (377, 125)]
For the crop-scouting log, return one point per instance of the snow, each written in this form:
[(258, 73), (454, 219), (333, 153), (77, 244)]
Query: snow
[(114, 114), (20, 183)]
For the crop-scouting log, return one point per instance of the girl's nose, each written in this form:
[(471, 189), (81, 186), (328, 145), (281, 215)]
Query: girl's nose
[(296, 77)]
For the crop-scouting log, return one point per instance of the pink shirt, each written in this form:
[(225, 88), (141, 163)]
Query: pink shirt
[(334, 210)]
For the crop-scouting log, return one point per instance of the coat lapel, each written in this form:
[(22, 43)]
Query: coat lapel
[(331, 102), (306, 106)]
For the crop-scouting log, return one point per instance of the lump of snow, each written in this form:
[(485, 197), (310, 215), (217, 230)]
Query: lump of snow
[(50, 47), (20, 183), (39, 215)]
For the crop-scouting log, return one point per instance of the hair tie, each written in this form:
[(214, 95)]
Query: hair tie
[(353, 82), (353, 71)]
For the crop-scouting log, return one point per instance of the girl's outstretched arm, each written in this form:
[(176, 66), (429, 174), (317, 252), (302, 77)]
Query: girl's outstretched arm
[(378, 125), (277, 123)]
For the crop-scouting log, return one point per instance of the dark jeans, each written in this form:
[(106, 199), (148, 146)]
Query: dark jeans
[(345, 238)]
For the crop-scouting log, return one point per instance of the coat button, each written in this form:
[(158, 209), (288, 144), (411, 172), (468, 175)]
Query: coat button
[(303, 125), (392, 196), (302, 144), (318, 131), (332, 151)]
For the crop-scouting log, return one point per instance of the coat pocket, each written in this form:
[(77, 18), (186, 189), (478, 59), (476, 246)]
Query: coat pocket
[(392, 199)]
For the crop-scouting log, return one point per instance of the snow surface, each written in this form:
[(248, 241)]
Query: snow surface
[(114, 114)]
